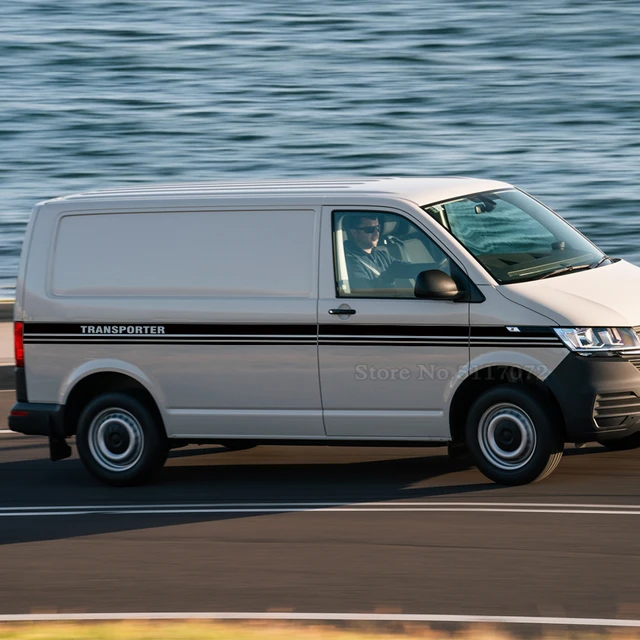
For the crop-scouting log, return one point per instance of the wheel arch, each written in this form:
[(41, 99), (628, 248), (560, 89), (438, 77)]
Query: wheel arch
[(485, 378), (94, 383)]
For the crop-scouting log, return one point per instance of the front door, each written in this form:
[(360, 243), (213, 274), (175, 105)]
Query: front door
[(389, 362)]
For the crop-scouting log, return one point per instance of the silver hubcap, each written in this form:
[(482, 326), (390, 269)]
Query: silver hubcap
[(507, 436), (116, 439)]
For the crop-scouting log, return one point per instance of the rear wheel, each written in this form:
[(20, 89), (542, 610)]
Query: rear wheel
[(119, 440), (622, 444), (511, 435)]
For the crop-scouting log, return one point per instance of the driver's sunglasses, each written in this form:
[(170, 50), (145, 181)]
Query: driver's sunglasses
[(371, 229)]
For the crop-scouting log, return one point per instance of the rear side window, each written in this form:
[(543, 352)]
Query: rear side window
[(232, 253)]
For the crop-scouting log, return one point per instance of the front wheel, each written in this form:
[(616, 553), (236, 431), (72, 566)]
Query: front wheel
[(119, 440), (511, 436)]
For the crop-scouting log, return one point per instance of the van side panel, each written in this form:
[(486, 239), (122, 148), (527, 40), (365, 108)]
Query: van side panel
[(182, 254), (492, 345), (18, 307), (216, 309)]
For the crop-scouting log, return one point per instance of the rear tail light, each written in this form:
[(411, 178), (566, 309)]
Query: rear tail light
[(18, 342)]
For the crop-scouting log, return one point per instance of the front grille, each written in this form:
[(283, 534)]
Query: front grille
[(616, 409)]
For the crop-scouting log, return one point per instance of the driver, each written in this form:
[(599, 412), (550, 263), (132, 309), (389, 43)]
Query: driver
[(368, 266)]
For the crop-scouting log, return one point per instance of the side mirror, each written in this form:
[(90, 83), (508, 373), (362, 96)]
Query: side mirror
[(436, 285)]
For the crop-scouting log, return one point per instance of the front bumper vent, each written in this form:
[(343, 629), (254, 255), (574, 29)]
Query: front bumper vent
[(613, 410), (633, 359)]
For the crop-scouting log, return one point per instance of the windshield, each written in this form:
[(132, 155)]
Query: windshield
[(514, 237)]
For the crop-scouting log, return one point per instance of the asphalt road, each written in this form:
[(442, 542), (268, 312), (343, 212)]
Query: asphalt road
[(196, 541)]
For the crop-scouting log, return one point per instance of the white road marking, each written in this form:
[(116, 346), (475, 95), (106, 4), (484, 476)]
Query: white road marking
[(316, 507), (287, 505), (369, 617)]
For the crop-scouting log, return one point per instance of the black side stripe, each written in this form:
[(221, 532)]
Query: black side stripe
[(392, 343), (514, 345), (341, 334), (174, 342), (375, 330), (170, 338), (138, 329), (266, 343), (503, 332)]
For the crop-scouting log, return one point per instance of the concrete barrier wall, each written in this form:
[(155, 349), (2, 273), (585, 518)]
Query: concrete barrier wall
[(6, 311), (6, 346)]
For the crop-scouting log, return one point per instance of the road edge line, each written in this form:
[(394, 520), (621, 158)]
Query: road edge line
[(342, 617)]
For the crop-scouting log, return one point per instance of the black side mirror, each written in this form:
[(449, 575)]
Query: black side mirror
[(436, 285)]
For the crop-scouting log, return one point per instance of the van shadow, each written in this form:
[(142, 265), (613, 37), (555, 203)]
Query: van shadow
[(204, 476)]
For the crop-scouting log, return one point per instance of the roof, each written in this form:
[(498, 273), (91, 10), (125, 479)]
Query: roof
[(419, 190)]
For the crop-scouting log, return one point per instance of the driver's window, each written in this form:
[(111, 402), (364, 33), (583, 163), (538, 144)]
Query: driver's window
[(379, 255)]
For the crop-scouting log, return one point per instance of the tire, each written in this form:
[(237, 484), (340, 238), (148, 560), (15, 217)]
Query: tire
[(622, 444), (120, 441), (510, 433)]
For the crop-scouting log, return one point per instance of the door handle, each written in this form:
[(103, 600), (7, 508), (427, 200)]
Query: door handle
[(342, 312)]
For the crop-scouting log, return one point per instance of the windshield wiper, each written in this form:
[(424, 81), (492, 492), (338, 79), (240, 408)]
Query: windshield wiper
[(595, 265), (568, 269)]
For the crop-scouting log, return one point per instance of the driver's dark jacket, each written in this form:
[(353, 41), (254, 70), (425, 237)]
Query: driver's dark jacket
[(361, 276)]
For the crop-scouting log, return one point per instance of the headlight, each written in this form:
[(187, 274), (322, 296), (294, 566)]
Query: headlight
[(591, 340)]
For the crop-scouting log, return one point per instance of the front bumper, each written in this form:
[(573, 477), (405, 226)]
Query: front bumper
[(599, 396)]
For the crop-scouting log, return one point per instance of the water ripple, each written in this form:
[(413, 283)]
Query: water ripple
[(543, 94)]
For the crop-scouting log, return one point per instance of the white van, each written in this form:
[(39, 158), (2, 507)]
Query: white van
[(436, 311)]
